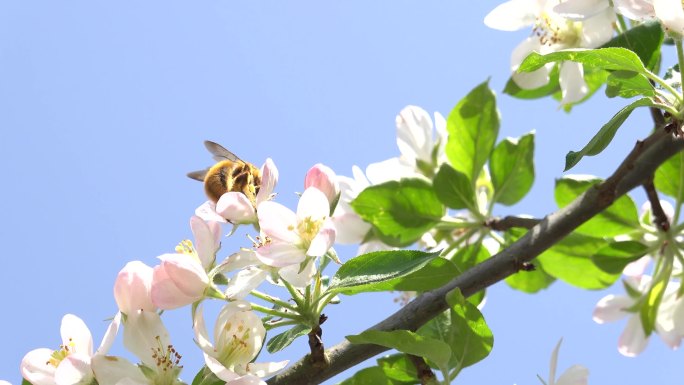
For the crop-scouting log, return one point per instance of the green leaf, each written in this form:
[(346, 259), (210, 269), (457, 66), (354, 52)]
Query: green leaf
[(570, 260), (404, 270), (649, 309), (552, 87), (619, 218), (468, 256), (284, 339), (511, 166), (614, 58), (628, 84), (400, 211), (613, 257), (407, 342), (207, 377), (669, 177), (644, 40), (605, 135), (454, 189), (530, 281), (473, 126), (399, 367), (370, 376)]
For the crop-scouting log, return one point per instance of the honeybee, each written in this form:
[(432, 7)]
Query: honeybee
[(230, 173)]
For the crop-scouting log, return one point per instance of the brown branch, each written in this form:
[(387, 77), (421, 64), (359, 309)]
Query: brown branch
[(507, 222), (317, 358), (659, 215), (634, 170), (423, 370)]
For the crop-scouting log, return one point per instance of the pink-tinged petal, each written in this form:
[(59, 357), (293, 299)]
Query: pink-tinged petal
[(313, 204), (132, 287), (269, 179), (414, 133), (247, 380), (280, 254), (323, 178), (186, 272), (297, 278), (165, 293), (571, 79), (236, 208), (207, 239), (111, 370), (110, 335), (678, 317), (219, 370), (581, 9), (245, 281), (633, 340), (575, 375), (76, 335), (611, 308), (350, 228), (265, 369), (323, 241), (278, 222), (671, 14), (528, 80), (34, 367), (513, 15), (143, 333), (239, 260), (207, 211), (74, 369), (635, 9)]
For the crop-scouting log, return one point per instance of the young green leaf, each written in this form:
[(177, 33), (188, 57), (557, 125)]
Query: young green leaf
[(399, 367), (204, 377), (453, 188), (613, 257), (370, 376), (407, 342), (473, 126), (404, 270), (619, 218), (614, 58), (468, 256), (511, 166), (531, 281), (550, 88), (628, 84), (283, 340), (400, 211), (649, 309), (605, 135), (669, 177), (644, 40)]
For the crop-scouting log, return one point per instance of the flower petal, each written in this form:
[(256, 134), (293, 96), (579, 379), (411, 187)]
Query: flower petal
[(207, 236), (111, 370), (297, 278), (269, 179), (350, 228), (313, 204), (132, 288), (671, 14), (633, 340), (247, 380), (235, 207), (571, 79), (598, 29), (207, 211), (110, 335), (188, 275), (513, 15), (278, 222), (414, 134), (76, 335), (265, 369), (74, 370), (635, 9), (323, 241), (528, 80), (581, 9), (611, 308), (239, 260), (575, 375), (245, 281), (280, 254), (144, 332), (34, 369), (165, 293), (390, 169)]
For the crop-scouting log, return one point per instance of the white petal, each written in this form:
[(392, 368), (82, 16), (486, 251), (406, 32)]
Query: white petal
[(554, 362), (278, 222), (390, 169), (633, 340), (144, 332), (245, 281), (414, 133), (201, 334), (313, 204), (265, 369), (571, 79), (634, 9), (323, 241), (76, 335), (132, 287), (247, 380), (219, 370), (637, 268), (34, 367), (74, 370), (239, 260), (207, 239), (575, 375), (528, 80), (235, 207), (296, 278), (597, 30), (671, 14), (513, 15), (207, 211), (116, 371), (350, 228), (611, 308), (165, 293), (269, 179), (581, 9), (186, 272), (280, 254), (110, 335)]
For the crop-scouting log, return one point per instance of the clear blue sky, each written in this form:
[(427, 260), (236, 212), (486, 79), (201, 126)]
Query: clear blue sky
[(104, 107)]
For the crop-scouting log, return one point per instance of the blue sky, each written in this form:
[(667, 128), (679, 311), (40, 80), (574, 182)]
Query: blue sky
[(104, 107)]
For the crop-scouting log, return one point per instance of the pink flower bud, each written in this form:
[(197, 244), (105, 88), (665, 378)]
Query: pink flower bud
[(132, 288), (323, 178), (177, 281)]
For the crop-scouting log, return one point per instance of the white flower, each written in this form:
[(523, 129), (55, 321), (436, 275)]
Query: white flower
[(238, 336), (574, 375), (553, 32), (71, 364)]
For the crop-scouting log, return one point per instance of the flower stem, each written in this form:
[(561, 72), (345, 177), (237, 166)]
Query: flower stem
[(273, 300), (277, 313)]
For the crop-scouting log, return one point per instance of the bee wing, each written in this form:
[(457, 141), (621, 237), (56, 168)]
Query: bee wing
[(219, 152), (198, 175)]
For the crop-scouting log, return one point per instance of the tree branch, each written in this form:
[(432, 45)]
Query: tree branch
[(507, 222), (634, 170)]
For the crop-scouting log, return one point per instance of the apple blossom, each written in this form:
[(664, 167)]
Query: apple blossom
[(71, 364), (552, 32), (177, 281), (234, 207), (238, 337), (323, 178), (288, 237), (574, 375), (132, 288), (145, 336)]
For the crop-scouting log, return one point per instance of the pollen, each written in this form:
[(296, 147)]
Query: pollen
[(554, 30), (166, 357), (308, 228)]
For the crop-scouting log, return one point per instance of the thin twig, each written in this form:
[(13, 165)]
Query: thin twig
[(659, 215)]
